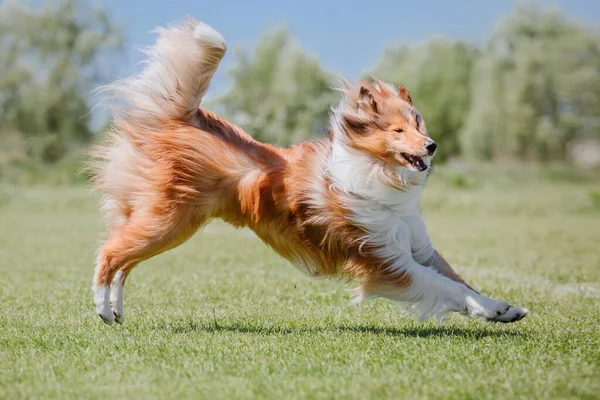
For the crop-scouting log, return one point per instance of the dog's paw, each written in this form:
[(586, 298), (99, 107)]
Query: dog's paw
[(102, 303), (117, 311), (513, 315), (480, 306), (119, 319), (106, 314), (116, 298), (108, 319)]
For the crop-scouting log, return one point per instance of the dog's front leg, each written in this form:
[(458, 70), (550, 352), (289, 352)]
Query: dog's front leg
[(426, 291), (425, 254), (437, 262)]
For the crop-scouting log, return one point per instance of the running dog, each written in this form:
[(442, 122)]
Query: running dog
[(345, 206)]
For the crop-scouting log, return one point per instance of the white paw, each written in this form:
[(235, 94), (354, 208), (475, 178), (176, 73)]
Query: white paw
[(481, 306), (116, 298), (513, 315), (208, 35), (102, 302)]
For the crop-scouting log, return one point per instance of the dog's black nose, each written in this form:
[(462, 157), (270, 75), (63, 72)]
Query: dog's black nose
[(431, 147)]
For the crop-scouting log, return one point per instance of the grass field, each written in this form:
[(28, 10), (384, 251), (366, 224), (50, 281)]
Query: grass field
[(223, 317)]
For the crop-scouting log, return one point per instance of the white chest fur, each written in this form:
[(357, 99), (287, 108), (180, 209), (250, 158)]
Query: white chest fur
[(390, 215)]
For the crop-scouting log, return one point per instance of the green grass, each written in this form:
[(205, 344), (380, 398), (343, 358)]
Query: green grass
[(223, 317)]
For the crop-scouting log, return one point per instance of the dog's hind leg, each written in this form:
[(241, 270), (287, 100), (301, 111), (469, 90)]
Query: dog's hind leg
[(143, 236), (117, 291)]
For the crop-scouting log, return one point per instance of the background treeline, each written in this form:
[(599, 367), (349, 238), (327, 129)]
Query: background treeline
[(530, 93)]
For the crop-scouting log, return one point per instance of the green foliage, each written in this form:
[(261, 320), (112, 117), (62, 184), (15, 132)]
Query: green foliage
[(50, 58), (437, 74), (279, 94), (531, 94), (535, 88), (594, 196), (49, 148), (459, 180)]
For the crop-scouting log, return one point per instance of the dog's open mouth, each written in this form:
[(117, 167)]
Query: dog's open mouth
[(416, 162)]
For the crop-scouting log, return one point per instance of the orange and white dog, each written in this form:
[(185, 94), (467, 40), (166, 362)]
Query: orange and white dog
[(345, 206)]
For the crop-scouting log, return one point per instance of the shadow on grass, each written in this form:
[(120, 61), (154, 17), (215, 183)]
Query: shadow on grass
[(474, 332)]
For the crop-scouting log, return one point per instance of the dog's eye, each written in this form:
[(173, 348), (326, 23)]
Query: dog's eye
[(399, 130)]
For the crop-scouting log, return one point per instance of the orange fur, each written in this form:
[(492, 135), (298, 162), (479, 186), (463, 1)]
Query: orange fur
[(190, 174), (171, 167), (164, 177), (194, 174)]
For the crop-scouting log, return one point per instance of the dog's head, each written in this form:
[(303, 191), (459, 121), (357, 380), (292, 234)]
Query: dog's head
[(381, 121)]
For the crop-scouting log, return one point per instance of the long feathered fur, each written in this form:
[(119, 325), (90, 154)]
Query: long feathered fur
[(176, 77), (343, 207)]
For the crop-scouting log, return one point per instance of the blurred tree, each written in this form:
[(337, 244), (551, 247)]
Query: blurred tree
[(536, 88), (279, 94), (437, 74), (49, 59)]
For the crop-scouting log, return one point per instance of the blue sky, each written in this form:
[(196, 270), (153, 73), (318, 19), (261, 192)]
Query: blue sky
[(346, 36)]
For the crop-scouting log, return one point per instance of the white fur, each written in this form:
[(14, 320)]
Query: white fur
[(116, 297), (102, 302), (391, 216), (356, 173), (177, 75), (512, 315), (102, 297), (207, 34)]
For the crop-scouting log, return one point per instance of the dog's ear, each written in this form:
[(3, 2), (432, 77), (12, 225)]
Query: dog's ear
[(404, 95), (366, 103), (382, 87)]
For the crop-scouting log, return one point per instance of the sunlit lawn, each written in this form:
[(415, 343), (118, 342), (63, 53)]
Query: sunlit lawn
[(223, 317)]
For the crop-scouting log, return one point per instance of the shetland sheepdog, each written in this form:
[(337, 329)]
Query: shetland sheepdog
[(345, 206)]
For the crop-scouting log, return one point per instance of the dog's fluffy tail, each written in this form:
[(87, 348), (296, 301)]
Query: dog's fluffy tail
[(177, 75)]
